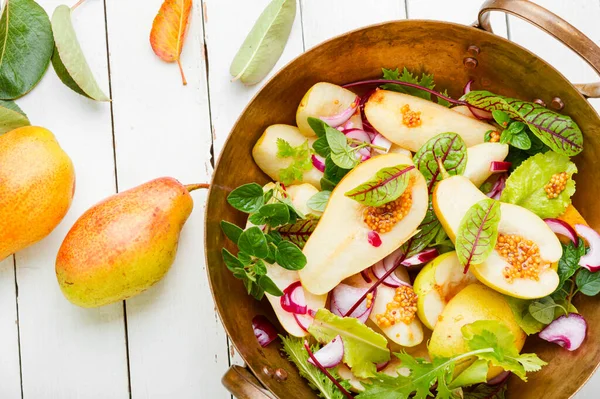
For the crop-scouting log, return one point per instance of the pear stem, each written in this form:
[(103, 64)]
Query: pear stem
[(77, 4), (180, 71), (192, 187)]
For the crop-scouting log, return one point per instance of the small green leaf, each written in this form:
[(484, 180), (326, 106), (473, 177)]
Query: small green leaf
[(318, 202), (232, 231), (345, 159), (301, 161), (478, 232), (231, 261), (501, 118), (68, 57), (11, 117), (520, 309), (245, 258), (569, 261), (387, 185), (543, 310), (318, 126), (259, 268), (269, 286), (521, 141), (274, 214), (333, 174), (588, 282), (488, 136), (289, 256), (474, 374), (321, 147), (485, 391), (253, 242), (254, 289), (247, 198), (265, 42)]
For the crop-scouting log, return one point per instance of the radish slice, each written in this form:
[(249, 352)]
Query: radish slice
[(381, 366), (500, 378), (339, 119), (318, 162), (566, 331), (591, 260), (304, 320), (563, 228), (264, 331), (478, 113), (344, 296), (422, 257), (381, 141), (330, 355), (499, 166), (374, 239), (293, 300)]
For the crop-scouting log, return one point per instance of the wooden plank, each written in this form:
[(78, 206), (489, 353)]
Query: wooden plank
[(324, 19), (177, 347), (10, 367), (70, 352)]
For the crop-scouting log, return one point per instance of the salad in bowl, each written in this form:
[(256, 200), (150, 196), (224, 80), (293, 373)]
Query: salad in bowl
[(409, 242)]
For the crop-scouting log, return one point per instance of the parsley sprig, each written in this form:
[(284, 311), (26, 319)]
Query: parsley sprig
[(301, 160)]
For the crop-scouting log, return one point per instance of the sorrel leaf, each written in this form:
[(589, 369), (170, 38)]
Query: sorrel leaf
[(559, 132), (478, 232), (11, 117), (26, 45), (447, 147), (299, 232), (387, 185)]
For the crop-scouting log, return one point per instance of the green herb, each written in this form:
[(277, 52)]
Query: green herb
[(387, 185), (516, 135), (427, 231), (11, 117), (543, 309), (478, 232), (68, 59), (319, 201), (253, 242), (341, 152), (252, 271), (296, 353), (558, 132), (447, 147), (588, 283), (299, 232), (26, 45), (569, 262), (520, 309), (484, 391), (363, 347), (231, 230), (265, 43), (274, 215), (247, 198), (289, 256), (525, 186), (474, 374), (501, 118), (425, 81), (333, 174), (301, 161)]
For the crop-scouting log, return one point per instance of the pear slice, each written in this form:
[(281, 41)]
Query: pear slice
[(323, 99), (453, 197), (300, 194), (339, 247), (437, 283), (463, 110), (265, 153), (479, 159), (383, 110)]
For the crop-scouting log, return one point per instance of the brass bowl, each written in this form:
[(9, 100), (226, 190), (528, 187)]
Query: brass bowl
[(439, 48)]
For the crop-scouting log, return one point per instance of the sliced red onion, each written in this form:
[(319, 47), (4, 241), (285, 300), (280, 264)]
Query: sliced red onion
[(499, 166), (478, 113), (330, 355), (358, 134), (366, 276), (497, 188), (349, 124), (563, 228), (340, 118), (374, 239), (293, 300), (381, 267), (335, 382), (344, 296), (304, 320), (363, 154), (264, 331), (380, 141), (591, 260), (422, 257), (567, 331), (500, 378), (318, 162), (381, 366)]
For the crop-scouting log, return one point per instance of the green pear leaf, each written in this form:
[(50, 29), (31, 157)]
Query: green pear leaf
[(26, 45), (11, 117), (265, 42), (68, 59)]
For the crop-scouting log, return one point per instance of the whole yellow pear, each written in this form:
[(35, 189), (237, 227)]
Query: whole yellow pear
[(123, 245), (37, 183)]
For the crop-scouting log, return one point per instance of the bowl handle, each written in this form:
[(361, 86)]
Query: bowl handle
[(555, 26), (243, 385)]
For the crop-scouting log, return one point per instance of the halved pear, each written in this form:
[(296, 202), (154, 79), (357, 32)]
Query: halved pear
[(265, 153), (437, 283), (475, 302), (339, 247), (300, 194), (323, 99), (479, 159), (453, 197), (383, 110)]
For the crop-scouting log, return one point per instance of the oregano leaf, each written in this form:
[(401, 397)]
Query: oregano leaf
[(387, 185)]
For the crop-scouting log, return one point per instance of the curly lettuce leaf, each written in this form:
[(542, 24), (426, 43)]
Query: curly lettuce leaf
[(525, 186)]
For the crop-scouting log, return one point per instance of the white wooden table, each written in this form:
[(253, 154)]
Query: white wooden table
[(168, 342)]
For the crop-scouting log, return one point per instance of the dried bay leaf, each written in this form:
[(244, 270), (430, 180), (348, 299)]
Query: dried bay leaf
[(11, 117), (26, 45), (265, 42), (68, 59)]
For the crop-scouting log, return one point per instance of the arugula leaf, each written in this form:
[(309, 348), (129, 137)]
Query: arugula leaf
[(299, 232), (363, 347), (247, 198), (387, 185), (289, 256), (294, 349), (319, 201), (231, 230), (588, 283), (484, 391), (520, 309), (478, 232), (301, 161), (569, 262), (559, 132), (253, 242), (525, 186)]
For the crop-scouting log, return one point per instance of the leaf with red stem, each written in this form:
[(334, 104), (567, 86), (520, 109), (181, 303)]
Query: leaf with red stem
[(387, 185), (299, 232)]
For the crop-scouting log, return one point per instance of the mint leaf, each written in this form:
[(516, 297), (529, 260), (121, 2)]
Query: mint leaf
[(387, 185), (569, 262), (247, 198), (321, 147), (318, 202), (231, 261), (259, 268), (289, 256), (344, 159), (269, 286), (587, 282), (231, 230), (254, 289), (272, 215), (336, 139), (333, 174), (253, 242)]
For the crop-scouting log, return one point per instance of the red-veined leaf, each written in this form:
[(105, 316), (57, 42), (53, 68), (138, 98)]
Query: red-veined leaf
[(299, 232), (387, 185), (450, 149)]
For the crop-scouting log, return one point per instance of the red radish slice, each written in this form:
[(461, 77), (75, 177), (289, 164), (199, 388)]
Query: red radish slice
[(293, 300), (330, 355), (339, 119), (478, 113), (422, 257), (318, 162), (381, 366), (374, 239), (563, 228), (591, 260), (344, 296), (303, 320), (381, 141), (264, 331), (567, 331), (499, 166), (500, 378)]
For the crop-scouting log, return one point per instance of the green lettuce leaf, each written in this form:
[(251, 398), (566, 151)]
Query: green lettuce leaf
[(525, 186), (363, 347)]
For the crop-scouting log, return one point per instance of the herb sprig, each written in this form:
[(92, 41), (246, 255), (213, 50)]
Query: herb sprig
[(301, 160)]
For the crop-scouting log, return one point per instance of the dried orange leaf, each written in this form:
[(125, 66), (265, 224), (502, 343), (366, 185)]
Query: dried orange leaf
[(169, 29)]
